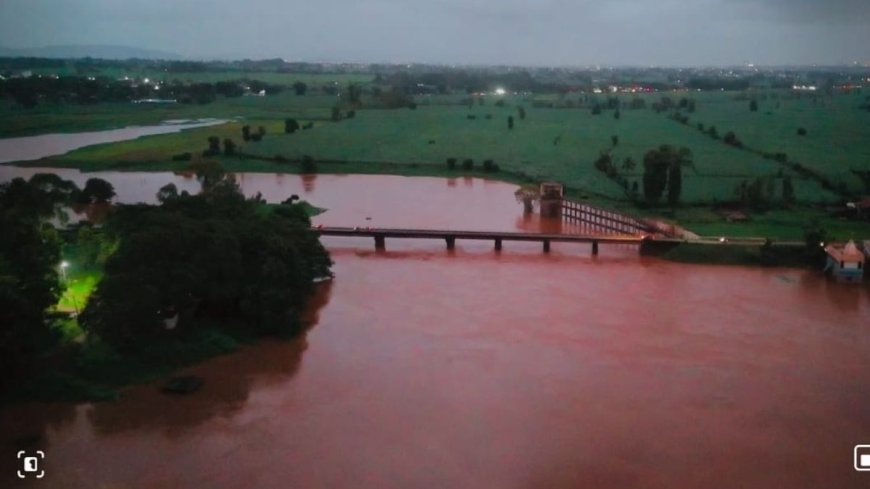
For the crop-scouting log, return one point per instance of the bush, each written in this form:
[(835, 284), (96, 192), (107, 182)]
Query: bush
[(281, 158), (468, 164), (451, 163), (490, 166), (308, 164), (801, 131), (182, 157)]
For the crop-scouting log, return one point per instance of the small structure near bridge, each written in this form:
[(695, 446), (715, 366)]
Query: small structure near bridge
[(845, 264), (551, 199)]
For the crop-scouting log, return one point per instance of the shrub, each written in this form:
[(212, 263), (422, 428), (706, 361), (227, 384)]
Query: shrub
[(308, 164), (468, 164), (801, 131), (451, 163), (731, 139), (182, 157), (490, 166), (281, 158)]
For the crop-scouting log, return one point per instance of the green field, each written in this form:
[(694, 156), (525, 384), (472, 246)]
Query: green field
[(557, 144), (46, 118), (549, 144), (838, 132)]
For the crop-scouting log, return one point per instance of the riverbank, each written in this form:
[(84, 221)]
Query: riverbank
[(776, 224)]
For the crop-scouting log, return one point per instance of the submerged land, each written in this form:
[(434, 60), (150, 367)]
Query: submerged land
[(779, 154)]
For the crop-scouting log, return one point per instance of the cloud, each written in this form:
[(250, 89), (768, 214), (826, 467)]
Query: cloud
[(539, 32)]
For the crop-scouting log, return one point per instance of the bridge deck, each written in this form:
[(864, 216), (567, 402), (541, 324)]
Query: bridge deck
[(476, 235)]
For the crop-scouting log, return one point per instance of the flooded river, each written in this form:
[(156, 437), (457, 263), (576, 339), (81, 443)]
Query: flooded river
[(35, 147), (474, 369)]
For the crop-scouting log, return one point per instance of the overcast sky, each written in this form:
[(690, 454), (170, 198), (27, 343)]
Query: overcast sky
[(521, 32)]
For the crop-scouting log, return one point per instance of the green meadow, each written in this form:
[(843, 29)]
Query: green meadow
[(560, 143)]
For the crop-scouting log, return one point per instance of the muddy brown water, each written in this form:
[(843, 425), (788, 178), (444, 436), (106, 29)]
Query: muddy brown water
[(430, 369)]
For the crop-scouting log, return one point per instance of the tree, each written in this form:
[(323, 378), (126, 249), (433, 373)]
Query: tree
[(451, 163), (29, 261), (468, 164), (229, 147), (521, 112), (237, 260), (290, 126), (788, 191), (167, 192), (308, 164), (675, 183), (335, 115), (616, 114), (510, 122), (209, 174), (490, 166), (353, 95), (246, 133), (97, 191), (731, 139), (663, 169), (629, 164), (614, 140), (214, 146), (801, 131), (300, 88), (753, 105)]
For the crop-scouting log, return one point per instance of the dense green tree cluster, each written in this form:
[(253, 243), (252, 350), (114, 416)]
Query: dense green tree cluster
[(662, 169), (29, 266), (211, 257)]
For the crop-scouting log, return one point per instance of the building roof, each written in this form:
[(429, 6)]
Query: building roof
[(849, 253)]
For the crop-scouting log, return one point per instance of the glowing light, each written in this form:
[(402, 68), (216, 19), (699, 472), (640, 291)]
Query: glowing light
[(500, 91), (64, 264)]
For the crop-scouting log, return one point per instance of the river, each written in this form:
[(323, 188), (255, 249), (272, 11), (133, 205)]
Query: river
[(430, 368), (35, 147)]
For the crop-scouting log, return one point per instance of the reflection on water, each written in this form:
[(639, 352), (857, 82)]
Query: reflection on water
[(519, 369)]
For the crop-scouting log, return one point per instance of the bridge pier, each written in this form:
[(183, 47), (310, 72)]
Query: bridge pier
[(451, 242), (497, 244), (546, 246), (595, 247), (380, 243)]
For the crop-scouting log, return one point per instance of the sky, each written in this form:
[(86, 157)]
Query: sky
[(514, 32)]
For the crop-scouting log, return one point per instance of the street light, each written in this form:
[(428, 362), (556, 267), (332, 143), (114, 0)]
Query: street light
[(63, 266)]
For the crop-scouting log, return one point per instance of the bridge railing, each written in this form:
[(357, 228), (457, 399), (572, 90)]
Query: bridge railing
[(605, 220)]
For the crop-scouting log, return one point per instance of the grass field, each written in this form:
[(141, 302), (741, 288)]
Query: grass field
[(549, 144), (44, 118), (838, 132), (558, 144)]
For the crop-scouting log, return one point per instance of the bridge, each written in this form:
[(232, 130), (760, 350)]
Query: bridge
[(450, 236)]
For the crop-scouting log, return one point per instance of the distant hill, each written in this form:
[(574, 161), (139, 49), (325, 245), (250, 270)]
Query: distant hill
[(84, 51)]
